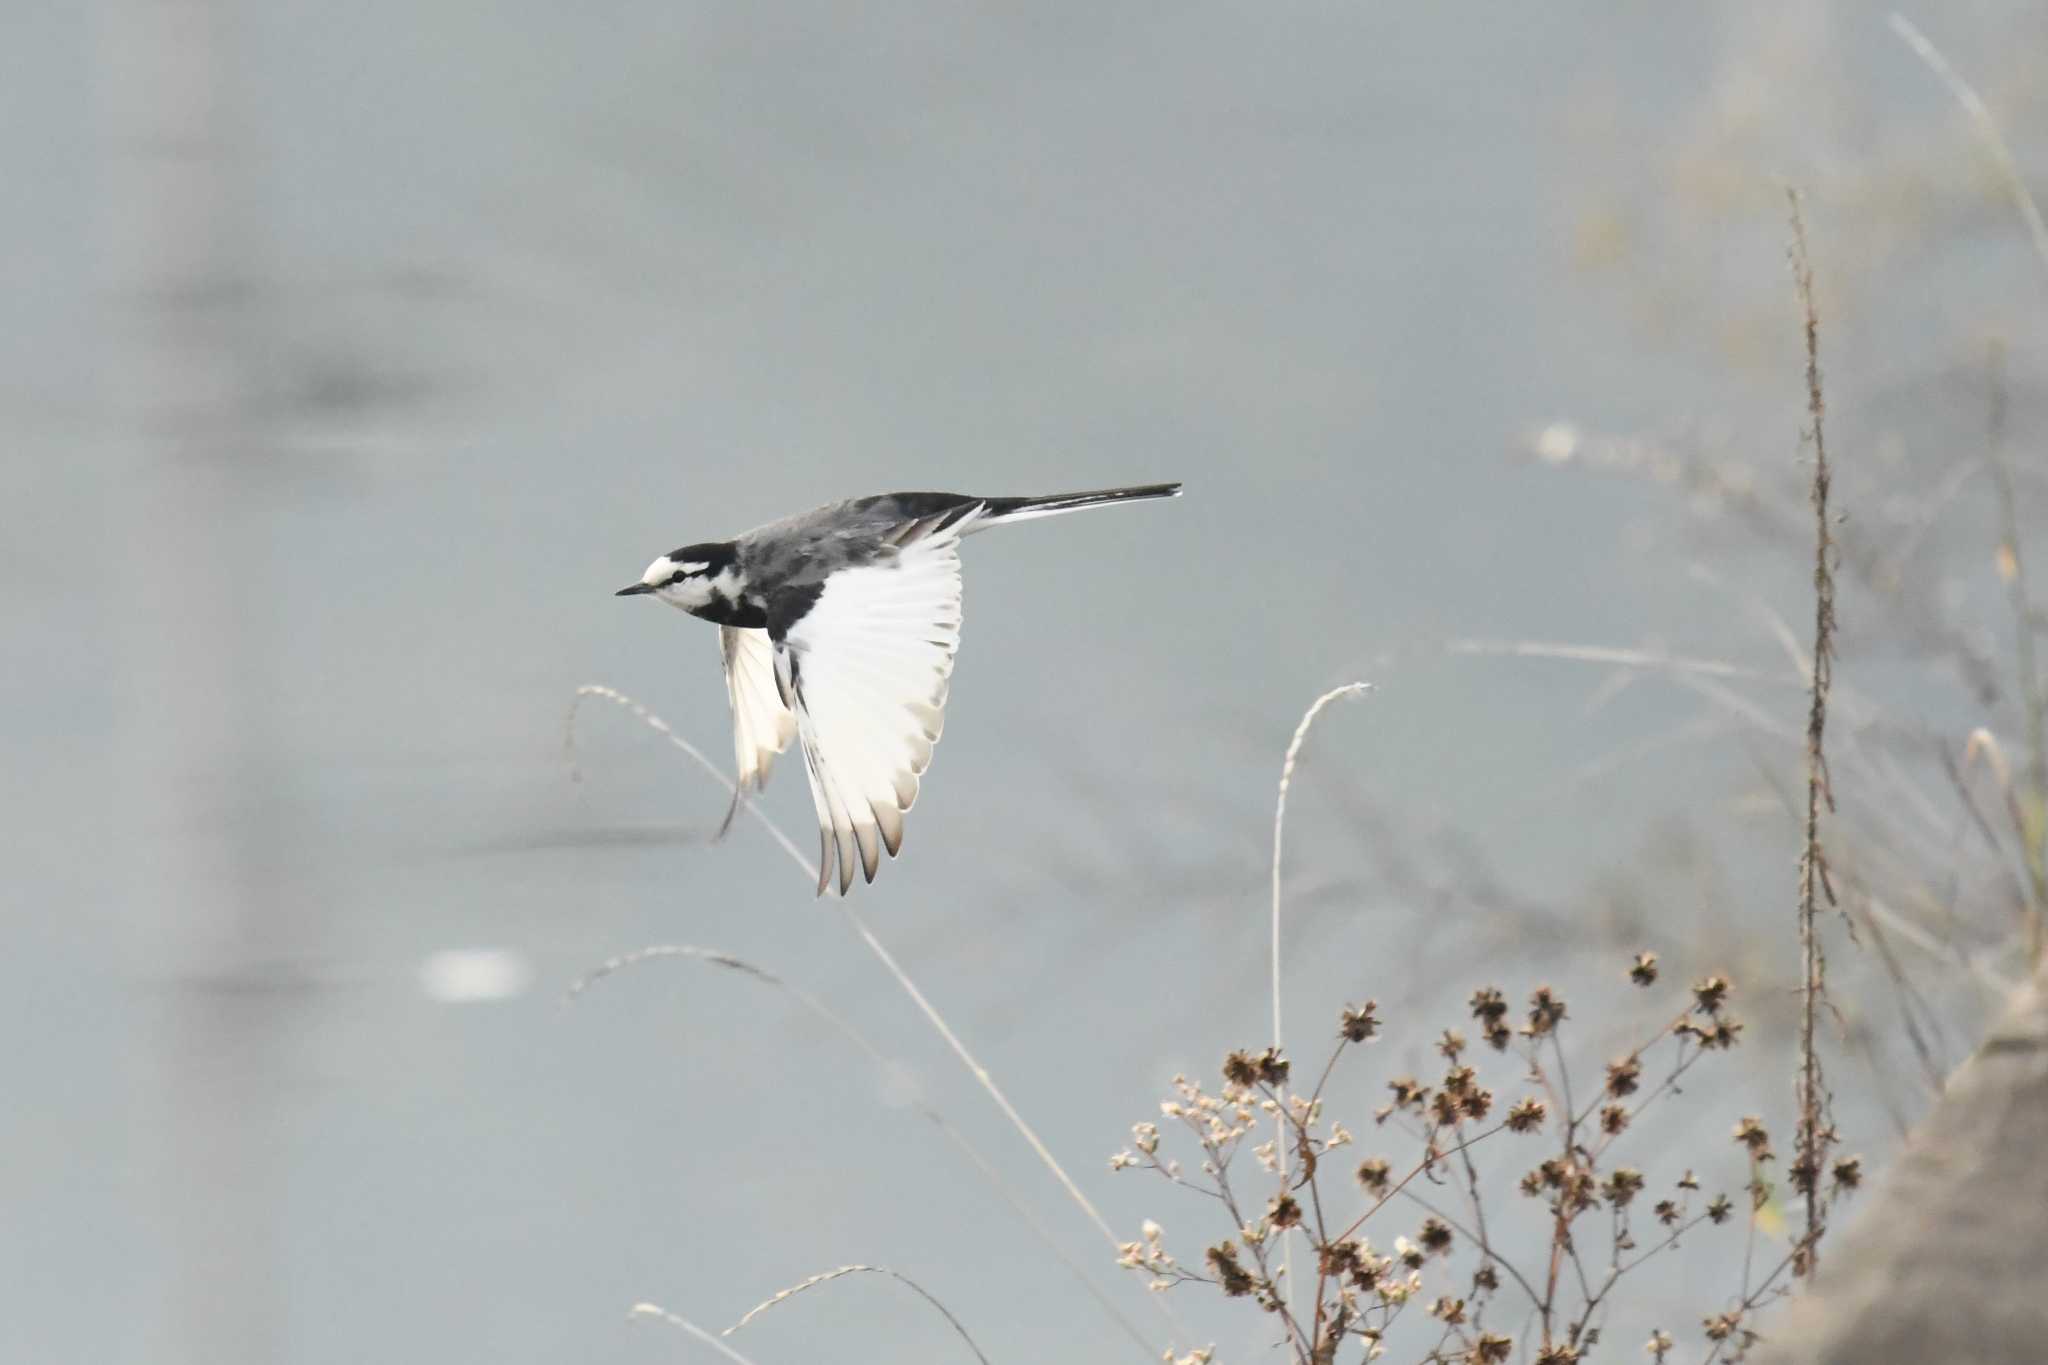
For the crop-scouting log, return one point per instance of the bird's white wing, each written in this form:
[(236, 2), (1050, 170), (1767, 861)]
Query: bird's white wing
[(761, 725), (866, 670)]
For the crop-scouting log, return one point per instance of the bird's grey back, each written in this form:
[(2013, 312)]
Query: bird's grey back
[(806, 548)]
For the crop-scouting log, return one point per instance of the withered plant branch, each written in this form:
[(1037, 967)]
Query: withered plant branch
[(1814, 883), (1428, 1163), (1479, 1240)]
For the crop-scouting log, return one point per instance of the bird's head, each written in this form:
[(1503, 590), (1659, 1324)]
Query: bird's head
[(689, 577)]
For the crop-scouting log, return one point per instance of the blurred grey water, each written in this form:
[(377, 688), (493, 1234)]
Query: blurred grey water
[(520, 295)]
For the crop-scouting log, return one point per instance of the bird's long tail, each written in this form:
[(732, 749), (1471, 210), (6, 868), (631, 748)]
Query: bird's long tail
[(1024, 509)]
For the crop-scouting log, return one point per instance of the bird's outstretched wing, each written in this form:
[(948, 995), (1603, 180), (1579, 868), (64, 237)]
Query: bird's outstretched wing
[(761, 725), (865, 669)]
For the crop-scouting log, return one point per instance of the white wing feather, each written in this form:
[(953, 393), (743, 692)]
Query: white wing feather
[(762, 726), (870, 662)]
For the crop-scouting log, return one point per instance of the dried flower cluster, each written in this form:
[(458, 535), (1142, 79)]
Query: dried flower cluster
[(1466, 1294)]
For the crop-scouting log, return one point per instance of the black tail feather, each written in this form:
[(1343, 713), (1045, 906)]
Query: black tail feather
[(1017, 509)]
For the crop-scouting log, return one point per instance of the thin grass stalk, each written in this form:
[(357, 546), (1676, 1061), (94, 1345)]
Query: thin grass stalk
[(1987, 129), (655, 1310), (874, 944), (2032, 835), (2012, 567), (884, 1063), (781, 1296), (1814, 1136), (1301, 730)]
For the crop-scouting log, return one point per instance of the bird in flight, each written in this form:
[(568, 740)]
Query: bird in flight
[(838, 629)]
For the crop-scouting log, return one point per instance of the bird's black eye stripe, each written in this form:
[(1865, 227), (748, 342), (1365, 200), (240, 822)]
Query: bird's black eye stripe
[(674, 578)]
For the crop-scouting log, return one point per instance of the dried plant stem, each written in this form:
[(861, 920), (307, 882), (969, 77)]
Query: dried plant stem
[(980, 1073), (886, 1064), (1301, 730), (2032, 835), (874, 945), (783, 1295), (1814, 1135), (1987, 128), (655, 1310), (1653, 660), (2031, 826)]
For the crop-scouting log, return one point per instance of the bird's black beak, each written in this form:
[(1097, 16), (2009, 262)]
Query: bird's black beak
[(635, 590)]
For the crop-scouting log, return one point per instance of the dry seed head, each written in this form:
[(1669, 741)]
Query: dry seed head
[(1622, 1186), (1644, 972), (1284, 1211), (1339, 1259), (1750, 1133), (1492, 1348), (1718, 1209), (1709, 992), (1722, 1034), (1658, 1346), (1546, 1011), (1848, 1173), (1360, 1024), (1435, 1236), (1229, 1272), (1527, 1115), (1489, 1006), (1614, 1118), (1623, 1076), (1374, 1174)]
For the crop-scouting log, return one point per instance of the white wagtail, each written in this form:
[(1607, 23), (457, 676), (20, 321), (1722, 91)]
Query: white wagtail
[(838, 627)]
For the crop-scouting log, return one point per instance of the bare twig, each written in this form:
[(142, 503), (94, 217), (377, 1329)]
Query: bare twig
[(1814, 1134)]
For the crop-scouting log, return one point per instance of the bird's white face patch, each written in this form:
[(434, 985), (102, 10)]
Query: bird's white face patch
[(689, 592)]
